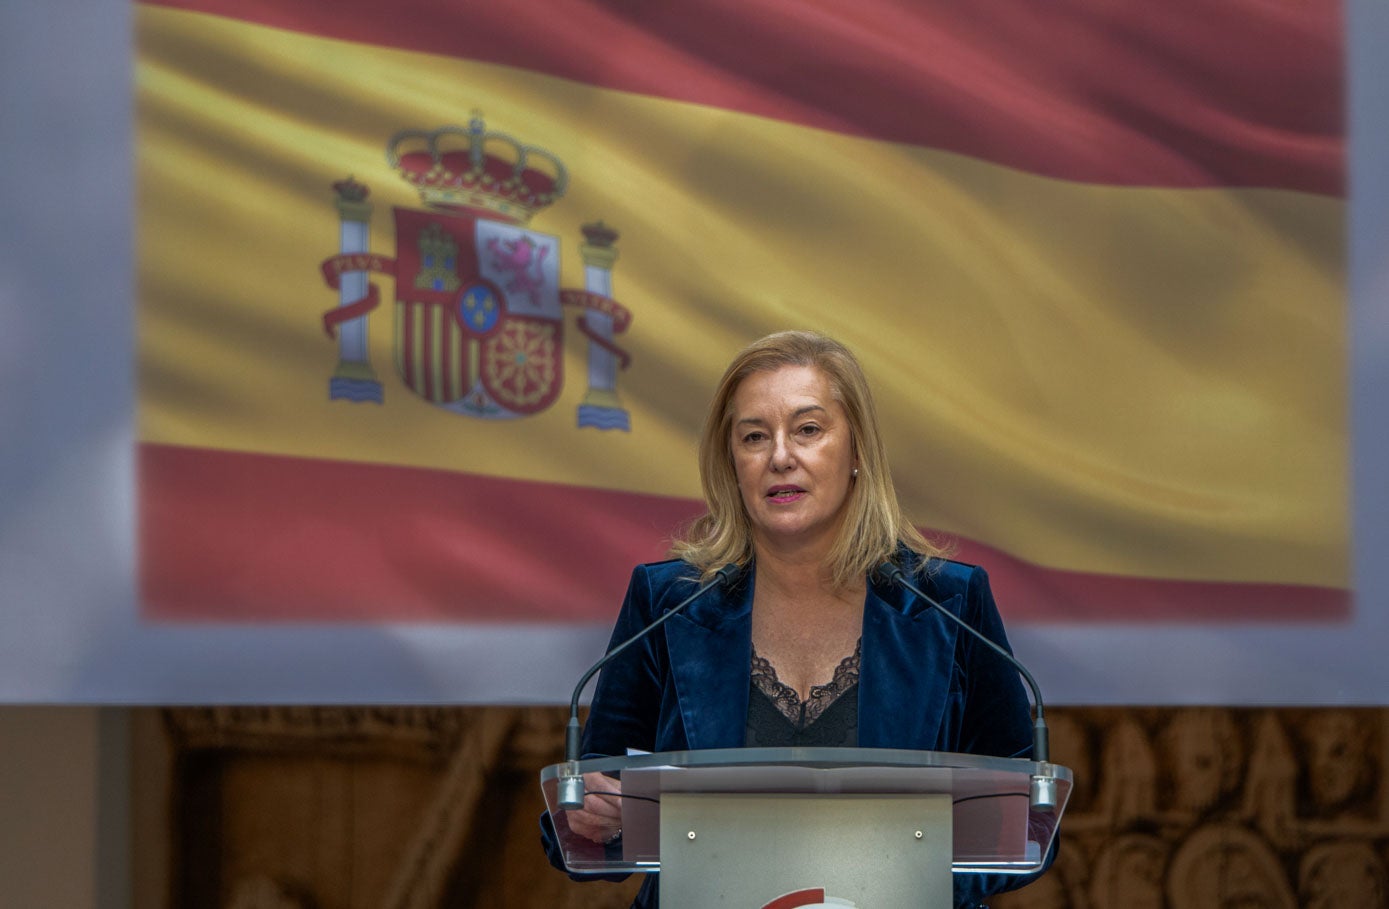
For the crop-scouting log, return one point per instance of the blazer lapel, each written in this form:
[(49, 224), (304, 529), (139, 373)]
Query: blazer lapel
[(904, 679), (710, 654)]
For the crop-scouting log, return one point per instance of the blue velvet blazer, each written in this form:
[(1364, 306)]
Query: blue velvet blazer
[(923, 683)]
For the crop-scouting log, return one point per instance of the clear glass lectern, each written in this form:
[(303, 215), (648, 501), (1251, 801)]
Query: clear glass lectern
[(756, 821)]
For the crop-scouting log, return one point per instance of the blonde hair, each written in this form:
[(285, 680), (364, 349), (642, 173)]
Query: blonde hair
[(873, 527)]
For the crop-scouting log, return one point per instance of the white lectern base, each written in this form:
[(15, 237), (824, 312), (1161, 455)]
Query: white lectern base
[(756, 851)]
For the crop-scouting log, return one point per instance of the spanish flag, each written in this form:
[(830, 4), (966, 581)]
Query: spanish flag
[(432, 296)]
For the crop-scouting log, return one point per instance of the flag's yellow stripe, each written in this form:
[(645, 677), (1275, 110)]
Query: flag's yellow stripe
[(1135, 381)]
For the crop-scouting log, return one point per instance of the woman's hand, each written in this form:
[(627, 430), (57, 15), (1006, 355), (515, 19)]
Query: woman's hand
[(600, 819)]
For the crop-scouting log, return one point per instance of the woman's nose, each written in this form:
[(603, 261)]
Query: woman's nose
[(782, 458)]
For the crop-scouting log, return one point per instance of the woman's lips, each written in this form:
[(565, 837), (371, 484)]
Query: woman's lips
[(782, 494)]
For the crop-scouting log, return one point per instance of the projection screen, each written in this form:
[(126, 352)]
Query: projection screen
[(131, 567)]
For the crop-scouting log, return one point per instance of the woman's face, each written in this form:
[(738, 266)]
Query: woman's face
[(793, 455)]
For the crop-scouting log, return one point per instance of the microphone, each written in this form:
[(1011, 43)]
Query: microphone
[(571, 782), (1043, 795)]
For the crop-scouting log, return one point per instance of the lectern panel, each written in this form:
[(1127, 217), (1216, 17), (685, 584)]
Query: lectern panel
[(755, 851)]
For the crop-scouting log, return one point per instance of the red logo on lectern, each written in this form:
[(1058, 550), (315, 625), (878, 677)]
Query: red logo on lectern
[(814, 898)]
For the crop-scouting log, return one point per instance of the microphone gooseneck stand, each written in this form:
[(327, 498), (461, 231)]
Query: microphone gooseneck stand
[(571, 782), (1043, 795)]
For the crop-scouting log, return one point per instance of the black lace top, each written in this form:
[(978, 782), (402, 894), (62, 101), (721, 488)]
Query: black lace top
[(777, 717)]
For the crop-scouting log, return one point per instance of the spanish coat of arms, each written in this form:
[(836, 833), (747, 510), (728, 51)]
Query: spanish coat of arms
[(479, 310)]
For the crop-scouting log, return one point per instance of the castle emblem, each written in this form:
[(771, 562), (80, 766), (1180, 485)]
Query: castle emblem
[(479, 311)]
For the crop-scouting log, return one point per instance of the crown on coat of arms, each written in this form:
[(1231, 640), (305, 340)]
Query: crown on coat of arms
[(457, 168)]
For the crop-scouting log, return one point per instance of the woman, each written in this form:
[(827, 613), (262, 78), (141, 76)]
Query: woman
[(808, 648)]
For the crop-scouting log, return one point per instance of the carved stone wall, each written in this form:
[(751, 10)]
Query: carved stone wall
[(347, 808), (418, 808), (1213, 807)]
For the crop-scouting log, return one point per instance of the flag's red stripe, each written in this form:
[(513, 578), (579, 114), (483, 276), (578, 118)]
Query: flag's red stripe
[(1176, 93), (241, 537), (237, 537)]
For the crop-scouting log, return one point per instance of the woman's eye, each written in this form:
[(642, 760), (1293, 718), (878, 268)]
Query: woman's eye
[(753, 437), (809, 429)]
